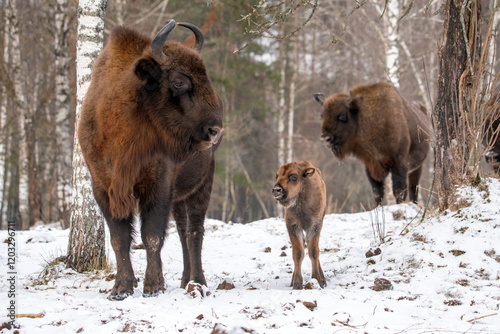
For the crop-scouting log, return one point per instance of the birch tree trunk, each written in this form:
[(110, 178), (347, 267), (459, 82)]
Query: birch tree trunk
[(291, 108), (392, 51), (20, 112), (86, 248), (392, 68), (63, 113)]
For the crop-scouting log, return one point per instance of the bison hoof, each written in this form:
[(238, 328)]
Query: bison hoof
[(147, 294), (119, 296)]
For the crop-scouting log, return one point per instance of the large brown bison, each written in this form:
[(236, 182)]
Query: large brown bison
[(388, 134), (492, 137), (150, 124), (300, 189)]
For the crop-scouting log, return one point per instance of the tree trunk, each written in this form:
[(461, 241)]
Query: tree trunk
[(63, 112), (291, 108), (86, 248), (452, 64), (392, 50), (20, 112), (4, 137)]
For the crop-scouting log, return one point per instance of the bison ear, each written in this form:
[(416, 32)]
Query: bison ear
[(320, 98), (309, 172), (149, 70), (355, 103)]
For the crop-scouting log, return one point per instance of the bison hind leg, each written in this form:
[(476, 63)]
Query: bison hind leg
[(413, 179)]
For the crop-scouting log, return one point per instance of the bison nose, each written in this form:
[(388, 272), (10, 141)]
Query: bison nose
[(215, 133), (327, 138), (277, 192)]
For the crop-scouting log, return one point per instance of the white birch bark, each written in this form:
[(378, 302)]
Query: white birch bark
[(392, 68), (86, 248), (20, 107), (392, 51), (63, 114), (291, 109), (281, 111)]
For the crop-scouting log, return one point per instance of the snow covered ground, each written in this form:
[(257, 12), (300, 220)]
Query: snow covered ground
[(443, 276)]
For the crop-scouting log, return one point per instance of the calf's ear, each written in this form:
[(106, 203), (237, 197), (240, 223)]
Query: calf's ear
[(355, 103), (320, 98), (309, 172), (149, 70)]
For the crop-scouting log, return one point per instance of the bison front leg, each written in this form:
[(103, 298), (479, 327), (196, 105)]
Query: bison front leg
[(121, 238), (189, 215), (377, 188), (180, 215), (399, 185), (153, 232), (317, 272), (298, 256)]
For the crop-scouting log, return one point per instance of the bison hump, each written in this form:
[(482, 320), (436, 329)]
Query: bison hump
[(127, 44)]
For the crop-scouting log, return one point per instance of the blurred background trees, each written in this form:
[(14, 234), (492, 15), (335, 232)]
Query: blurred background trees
[(286, 52)]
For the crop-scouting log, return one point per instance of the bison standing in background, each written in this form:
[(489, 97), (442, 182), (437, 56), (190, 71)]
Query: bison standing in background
[(379, 127), (149, 128), (300, 189), (492, 136)]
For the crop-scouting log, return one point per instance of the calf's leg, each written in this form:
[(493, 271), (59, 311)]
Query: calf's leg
[(298, 256), (317, 272)]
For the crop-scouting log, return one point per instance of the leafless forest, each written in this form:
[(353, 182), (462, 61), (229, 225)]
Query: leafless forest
[(265, 73)]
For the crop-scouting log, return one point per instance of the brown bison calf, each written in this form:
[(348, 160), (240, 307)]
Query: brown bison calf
[(387, 133), (492, 138), (301, 190), (150, 124)]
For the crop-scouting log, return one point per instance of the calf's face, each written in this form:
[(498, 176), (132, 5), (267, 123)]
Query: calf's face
[(339, 120), (289, 182)]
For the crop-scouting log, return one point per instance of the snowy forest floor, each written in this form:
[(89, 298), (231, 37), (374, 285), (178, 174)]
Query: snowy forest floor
[(439, 276)]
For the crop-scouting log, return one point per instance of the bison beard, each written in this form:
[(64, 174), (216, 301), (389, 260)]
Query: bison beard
[(149, 128)]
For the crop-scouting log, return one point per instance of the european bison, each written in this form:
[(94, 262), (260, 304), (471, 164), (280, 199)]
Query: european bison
[(387, 133), (300, 189), (150, 124), (492, 136)]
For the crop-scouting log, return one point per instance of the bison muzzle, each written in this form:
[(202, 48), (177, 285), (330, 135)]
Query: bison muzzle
[(300, 189), (150, 124)]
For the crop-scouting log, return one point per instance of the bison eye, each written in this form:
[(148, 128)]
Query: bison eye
[(293, 178), (180, 84), (343, 117)]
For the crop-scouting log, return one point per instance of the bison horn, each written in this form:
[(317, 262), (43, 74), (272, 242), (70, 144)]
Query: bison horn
[(159, 40), (198, 45), (319, 97)]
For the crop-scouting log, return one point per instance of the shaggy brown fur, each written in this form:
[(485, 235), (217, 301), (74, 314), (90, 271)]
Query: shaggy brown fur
[(492, 136), (379, 127), (148, 132), (300, 189)]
